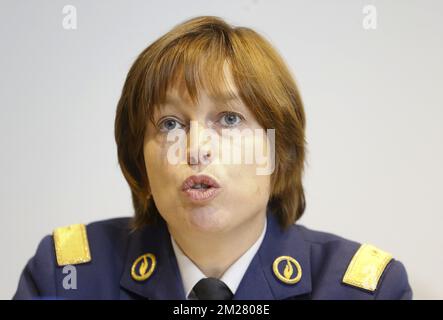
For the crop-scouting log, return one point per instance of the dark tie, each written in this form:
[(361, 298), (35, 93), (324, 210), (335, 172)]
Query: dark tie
[(212, 289)]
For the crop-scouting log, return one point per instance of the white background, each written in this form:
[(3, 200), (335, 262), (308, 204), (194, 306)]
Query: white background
[(372, 98)]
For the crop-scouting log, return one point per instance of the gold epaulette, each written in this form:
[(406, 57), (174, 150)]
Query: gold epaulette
[(366, 267), (71, 245)]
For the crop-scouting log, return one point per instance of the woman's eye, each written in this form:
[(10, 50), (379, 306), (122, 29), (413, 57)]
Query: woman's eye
[(169, 125), (230, 119)]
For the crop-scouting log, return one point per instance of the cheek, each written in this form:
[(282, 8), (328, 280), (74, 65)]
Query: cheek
[(249, 193), (251, 184), (246, 187), (157, 168), (244, 181)]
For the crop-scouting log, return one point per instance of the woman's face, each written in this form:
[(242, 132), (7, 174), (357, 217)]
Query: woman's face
[(207, 130)]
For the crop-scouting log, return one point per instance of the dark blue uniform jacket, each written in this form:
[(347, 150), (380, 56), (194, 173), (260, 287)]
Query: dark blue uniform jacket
[(323, 258)]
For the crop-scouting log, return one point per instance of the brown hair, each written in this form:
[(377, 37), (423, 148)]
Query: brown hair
[(194, 52)]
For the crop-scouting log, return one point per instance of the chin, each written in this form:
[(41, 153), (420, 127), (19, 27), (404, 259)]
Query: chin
[(208, 219)]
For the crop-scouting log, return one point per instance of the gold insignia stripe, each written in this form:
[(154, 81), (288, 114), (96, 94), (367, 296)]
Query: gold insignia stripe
[(366, 267), (71, 245)]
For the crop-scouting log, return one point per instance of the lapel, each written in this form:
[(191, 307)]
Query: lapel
[(260, 282), (165, 282)]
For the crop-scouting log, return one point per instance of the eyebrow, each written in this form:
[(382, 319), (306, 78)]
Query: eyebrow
[(223, 98)]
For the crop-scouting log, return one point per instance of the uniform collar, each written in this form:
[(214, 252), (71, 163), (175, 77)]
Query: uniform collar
[(232, 277), (165, 282), (259, 281)]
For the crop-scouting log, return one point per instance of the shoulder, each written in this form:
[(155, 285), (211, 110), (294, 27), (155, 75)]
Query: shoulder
[(108, 233), (98, 235), (344, 268), (95, 248), (77, 243)]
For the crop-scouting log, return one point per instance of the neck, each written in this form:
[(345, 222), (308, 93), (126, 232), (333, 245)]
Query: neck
[(214, 253)]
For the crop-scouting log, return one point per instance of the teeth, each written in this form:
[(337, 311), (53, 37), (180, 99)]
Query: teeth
[(200, 186)]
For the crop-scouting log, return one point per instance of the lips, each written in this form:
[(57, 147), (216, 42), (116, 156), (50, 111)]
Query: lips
[(192, 181), (200, 187)]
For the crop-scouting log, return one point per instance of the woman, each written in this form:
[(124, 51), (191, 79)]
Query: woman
[(210, 131)]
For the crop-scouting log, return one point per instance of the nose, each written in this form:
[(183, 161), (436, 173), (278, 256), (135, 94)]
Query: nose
[(199, 150)]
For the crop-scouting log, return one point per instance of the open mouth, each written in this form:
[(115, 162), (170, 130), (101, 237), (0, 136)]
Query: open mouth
[(200, 187)]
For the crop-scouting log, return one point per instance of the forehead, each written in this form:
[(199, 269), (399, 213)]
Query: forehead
[(222, 92), (175, 98), (201, 89), (183, 104), (220, 87)]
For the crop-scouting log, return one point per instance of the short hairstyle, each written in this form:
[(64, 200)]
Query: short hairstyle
[(193, 53)]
